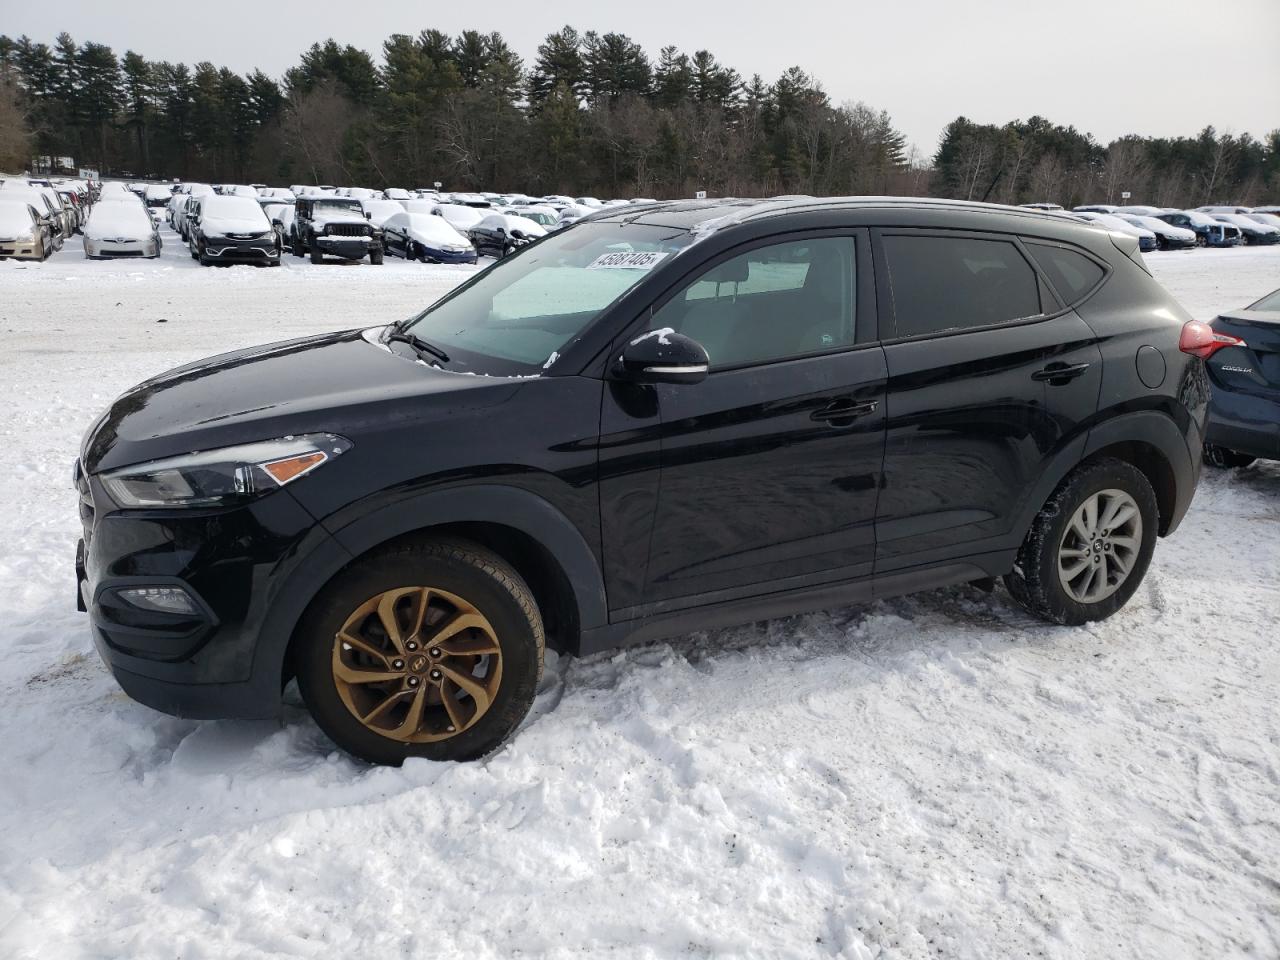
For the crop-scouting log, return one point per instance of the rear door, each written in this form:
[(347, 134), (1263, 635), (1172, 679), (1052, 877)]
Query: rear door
[(988, 378)]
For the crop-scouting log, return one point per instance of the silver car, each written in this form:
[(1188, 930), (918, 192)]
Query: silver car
[(121, 228)]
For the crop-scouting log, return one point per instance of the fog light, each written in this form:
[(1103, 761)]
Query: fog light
[(160, 599)]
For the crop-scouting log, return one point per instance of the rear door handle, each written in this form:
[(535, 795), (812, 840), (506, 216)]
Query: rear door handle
[(1060, 373), (841, 413)]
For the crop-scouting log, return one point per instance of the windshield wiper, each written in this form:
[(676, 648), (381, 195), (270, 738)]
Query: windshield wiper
[(418, 344)]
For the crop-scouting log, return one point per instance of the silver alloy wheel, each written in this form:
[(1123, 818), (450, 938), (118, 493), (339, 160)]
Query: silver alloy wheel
[(1100, 546)]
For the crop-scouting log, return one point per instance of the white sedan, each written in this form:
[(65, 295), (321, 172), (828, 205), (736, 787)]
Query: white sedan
[(120, 228)]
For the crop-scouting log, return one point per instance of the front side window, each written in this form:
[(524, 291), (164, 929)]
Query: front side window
[(513, 316), (942, 284), (772, 303)]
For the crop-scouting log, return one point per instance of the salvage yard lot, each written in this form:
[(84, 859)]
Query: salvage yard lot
[(933, 776)]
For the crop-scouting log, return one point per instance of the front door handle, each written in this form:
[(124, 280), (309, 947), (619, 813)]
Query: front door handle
[(1060, 373), (841, 413)]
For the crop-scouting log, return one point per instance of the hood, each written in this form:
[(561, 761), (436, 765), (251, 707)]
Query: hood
[(216, 225), (328, 383)]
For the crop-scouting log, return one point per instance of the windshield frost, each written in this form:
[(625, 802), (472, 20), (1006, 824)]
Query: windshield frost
[(513, 316)]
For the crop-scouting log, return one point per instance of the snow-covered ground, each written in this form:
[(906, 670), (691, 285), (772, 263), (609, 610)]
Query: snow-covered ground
[(938, 776)]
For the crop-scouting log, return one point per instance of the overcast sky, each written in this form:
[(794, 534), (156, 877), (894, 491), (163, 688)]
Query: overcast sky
[(1155, 67)]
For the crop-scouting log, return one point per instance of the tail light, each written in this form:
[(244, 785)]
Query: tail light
[(1201, 340)]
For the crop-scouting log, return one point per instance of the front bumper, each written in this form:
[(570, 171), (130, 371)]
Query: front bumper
[(126, 248), (22, 249), (348, 248), (449, 256), (242, 251), (233, 564)]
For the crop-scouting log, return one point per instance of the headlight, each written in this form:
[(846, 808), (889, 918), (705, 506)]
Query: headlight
[(224, 476)]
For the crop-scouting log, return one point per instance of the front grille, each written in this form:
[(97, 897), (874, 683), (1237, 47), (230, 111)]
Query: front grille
[(346, 230), (86, 503)]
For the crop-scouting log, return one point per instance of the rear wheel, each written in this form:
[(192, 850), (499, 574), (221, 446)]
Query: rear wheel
[(430, 650), (1225, 459), (1089, 546)]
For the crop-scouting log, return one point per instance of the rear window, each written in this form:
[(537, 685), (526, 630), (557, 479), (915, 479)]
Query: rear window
[(943, 284), (1072, 274), (1270, 302)]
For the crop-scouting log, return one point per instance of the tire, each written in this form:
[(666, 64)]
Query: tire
[(452, 569), (297, 249), (1036, 581), (375, 257), (1224, 459), (316, 255)]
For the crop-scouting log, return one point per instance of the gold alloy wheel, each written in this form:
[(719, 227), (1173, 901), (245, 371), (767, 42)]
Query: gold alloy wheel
[(417, 664)]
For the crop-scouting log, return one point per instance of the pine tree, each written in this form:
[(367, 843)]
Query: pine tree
[(100, 94), (614, 65), (559, 64)]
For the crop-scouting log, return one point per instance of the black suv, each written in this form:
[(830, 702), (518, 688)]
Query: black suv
[(335, 227), (666, 418)]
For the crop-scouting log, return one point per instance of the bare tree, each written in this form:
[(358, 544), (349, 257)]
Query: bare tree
[(15, 137), (316, 125), (1221, 157)]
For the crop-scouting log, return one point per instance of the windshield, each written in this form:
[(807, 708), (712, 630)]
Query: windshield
[(336, 205), (512, 317)]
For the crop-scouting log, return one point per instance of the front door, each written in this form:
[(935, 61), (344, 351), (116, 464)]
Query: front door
[(770, 468)]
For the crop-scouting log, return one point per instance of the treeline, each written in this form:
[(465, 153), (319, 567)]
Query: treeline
[(1040, 161), (592, 113)]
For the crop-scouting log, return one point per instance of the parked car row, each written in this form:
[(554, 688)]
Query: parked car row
[(38, 215), (1166, 228), (355, 223)]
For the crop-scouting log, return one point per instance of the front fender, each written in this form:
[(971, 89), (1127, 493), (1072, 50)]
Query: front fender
[(481, 503)]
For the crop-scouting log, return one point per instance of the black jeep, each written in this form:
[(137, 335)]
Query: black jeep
[(336, 227)]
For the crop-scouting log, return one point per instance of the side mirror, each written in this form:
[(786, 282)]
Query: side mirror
[(663, 356), (368, 215)]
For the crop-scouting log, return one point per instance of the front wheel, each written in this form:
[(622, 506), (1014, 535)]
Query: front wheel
[(1089, 547), (1224, 459), (316, 255), (375, 257), (431, 650)]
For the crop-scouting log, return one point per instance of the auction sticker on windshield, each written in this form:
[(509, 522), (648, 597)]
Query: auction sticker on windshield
[(627, 261)]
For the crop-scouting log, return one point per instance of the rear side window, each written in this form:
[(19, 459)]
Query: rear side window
[(1072, 274), (943, 284)]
